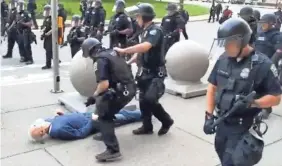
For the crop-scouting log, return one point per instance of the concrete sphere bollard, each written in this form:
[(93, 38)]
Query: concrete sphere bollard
[(187, 61), (82, 75)]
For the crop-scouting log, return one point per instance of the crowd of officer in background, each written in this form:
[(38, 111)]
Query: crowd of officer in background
[(123, 30), (252, 44)]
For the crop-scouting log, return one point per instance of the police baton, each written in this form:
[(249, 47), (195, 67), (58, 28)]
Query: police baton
[(246, 99)]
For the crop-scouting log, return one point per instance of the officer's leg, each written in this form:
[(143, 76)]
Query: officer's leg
[(75, 49), (146, 111), (11, 43), (217, 16), (34, 20), (185, 33), (209, 20), (48, 59), (213, 17), (20, 41), (28, 52), (106, 110), (220, 141)]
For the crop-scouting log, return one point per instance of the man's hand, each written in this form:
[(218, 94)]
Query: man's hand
[(121, 51), (90, 101), (94, 117), (209, 120)]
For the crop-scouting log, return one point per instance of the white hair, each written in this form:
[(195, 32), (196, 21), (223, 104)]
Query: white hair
[(37, 124)]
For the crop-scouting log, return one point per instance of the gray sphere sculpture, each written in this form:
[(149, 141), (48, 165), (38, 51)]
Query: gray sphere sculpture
[(82, 75), (187, 61)]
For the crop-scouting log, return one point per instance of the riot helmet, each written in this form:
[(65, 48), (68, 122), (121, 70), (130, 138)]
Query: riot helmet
[(267, 22), (98, 3), (232, 36), (13, 4), (47, 10), (119, 6), (75, 21), (144, 12), (89, 3), (256, 15), (246, 13), (171, 9), (20, 6), (279, 9), (90, 47)]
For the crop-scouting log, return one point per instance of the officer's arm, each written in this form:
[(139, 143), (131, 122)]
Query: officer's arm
[(211, 90), (102, 76), (180, 24), (271, 86), (128, 24), (162, 23), (152, 38)]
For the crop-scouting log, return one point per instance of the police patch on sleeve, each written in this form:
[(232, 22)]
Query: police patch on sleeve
[(153, 32), (274, 70)]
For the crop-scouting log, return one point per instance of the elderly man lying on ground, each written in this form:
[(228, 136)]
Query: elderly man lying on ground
[(71, 126)]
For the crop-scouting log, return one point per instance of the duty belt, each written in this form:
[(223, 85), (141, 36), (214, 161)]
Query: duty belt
[(160, 71)]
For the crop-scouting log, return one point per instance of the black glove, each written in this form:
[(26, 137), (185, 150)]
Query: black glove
[(209, 120), (90, 101)]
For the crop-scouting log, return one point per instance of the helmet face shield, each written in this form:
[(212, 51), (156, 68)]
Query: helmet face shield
[(230, 46), (75, 23), (132, 11)]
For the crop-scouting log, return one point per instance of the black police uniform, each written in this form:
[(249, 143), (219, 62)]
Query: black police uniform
[(47, 43), (150, 80), (279, 18), (108, 66), (212, 13), (233, 78), (218, 10), (119, 22), (83, 8), (24, 39), (185, 17), (231, 130), (4, 16), (98, 22), (253, 25), (247, 13), (88, 16), (31, 8), (73, 38), (171, 25), (133, 39), (268, 42), (12, 33)]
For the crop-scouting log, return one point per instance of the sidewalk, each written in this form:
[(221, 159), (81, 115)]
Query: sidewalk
[(157, 20)]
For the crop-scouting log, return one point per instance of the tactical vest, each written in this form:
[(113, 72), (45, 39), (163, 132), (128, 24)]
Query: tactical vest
[(119, 70), (154, 58), (234, 79), (264, 43), (169, 24)]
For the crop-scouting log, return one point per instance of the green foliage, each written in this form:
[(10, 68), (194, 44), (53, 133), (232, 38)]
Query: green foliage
[(72, 7)]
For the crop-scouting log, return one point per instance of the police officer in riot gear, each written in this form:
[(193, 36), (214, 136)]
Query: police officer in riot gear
[(76, 35), (11, 30), (256, 15), (83, 8), (247, 13), (120, 26), (4, 16), (115, 89), (269, 42), (185, 16), (234, 76), (31, 8), (98, 20), (133, 38), (47, 36), (278, 15), (88, 14), (24, 33), (172, 25), (152, 71)]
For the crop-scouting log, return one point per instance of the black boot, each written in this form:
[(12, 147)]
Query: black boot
[(46, 67), (108, 155), (23, 59), (165, 128), (29, 62), (7, 56), (142, 131), (98, 137)]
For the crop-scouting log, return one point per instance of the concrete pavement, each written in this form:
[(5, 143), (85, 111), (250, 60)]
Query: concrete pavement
[(25, 97)]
